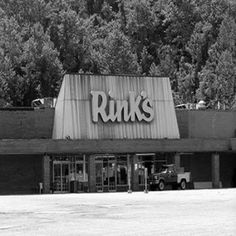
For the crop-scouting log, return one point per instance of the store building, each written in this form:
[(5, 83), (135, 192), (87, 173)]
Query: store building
[(104, 132)]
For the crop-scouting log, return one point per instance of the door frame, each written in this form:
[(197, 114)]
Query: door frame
[(100, 159), (56, 162)]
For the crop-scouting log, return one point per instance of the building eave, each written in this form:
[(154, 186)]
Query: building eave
[(50, 146)]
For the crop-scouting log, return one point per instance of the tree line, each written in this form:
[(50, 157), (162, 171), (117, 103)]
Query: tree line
[(191, 41)]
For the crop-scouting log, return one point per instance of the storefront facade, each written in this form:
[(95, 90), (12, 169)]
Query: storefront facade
[(105, 131), (113, 172), (112, 107)]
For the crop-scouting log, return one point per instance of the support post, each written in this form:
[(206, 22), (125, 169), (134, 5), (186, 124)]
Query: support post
[(129, 174), (177, 160), (135, 180), (46, 174), (215, 170), (146, 176), (92, 174)]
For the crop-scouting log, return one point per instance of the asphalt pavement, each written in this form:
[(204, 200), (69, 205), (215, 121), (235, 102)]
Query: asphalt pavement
[(190, 212)]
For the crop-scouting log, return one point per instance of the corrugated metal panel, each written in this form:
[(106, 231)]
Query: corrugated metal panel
[(73, 116)]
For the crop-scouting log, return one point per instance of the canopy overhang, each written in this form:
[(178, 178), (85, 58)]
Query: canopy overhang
[(49, 146)]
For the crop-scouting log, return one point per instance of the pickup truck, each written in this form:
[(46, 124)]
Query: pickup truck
[(168, 175)]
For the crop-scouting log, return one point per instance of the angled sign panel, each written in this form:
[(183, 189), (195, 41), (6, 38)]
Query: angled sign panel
[(115, 107)]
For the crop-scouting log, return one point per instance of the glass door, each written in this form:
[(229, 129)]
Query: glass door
[(111, 175), (60, 176), (99, 175), (64, 177), (81, 176), (57, 177), (105, 170)]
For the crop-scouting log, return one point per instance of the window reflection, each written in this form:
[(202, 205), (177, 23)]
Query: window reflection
[(122, 170), (152, 163), (70, 173)]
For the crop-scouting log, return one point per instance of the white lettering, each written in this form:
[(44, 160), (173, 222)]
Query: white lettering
[(122, 106), (134, 107), (140, 108), (147, 108), (96, 109)]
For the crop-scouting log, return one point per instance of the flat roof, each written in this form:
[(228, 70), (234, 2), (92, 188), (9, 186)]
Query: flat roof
[(121, 75)]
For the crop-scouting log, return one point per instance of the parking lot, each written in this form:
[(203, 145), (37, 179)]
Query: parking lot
[(191, 212)]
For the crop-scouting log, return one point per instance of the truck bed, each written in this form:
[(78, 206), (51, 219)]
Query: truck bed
[(185, 175)]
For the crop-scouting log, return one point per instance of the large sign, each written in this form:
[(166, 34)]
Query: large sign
[(138, 108), (114, 107)]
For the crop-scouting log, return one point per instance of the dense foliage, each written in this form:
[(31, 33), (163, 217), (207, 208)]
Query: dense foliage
[(191, 41)]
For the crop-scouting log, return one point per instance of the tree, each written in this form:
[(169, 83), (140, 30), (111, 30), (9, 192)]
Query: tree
[(11, 47), (191, 41), (41, 66), (29, 69), (218, 78), (144, 27), (112, 51), (187, 75)]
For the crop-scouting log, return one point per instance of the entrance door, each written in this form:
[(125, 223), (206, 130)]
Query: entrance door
[(99, 175), (105, 168), (81, 176), (111, 175), (60, 176)]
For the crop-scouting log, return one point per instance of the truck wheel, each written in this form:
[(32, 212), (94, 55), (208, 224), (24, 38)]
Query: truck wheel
[(161, 185), (183, 184)]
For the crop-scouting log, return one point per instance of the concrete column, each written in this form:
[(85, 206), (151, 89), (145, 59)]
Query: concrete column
[(135, 183), (215, 170), (91, 174), (46, 173), (129, 169), (177, 160)]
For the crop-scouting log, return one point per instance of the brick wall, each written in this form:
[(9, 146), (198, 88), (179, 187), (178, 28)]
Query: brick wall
[(26, 124), (228, 169), (30, 124), (199, 164), (20, 174), (183, 122), (206, 124)]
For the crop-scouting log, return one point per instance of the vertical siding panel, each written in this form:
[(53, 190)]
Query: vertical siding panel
[(142, 85), (167, 105), (131, 127), (138, 125), (156, 94), (151, 129), (73, 113), (163, 127)]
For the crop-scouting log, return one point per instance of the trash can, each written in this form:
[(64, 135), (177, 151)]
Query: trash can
[(72, 186), (40, 188)]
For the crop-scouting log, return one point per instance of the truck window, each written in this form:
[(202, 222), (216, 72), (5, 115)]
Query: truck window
[(164, 170)]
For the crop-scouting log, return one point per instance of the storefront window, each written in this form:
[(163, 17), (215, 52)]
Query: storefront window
[(151, 162), (70, 174), (122, 170), (81, 174), (141, 169)]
